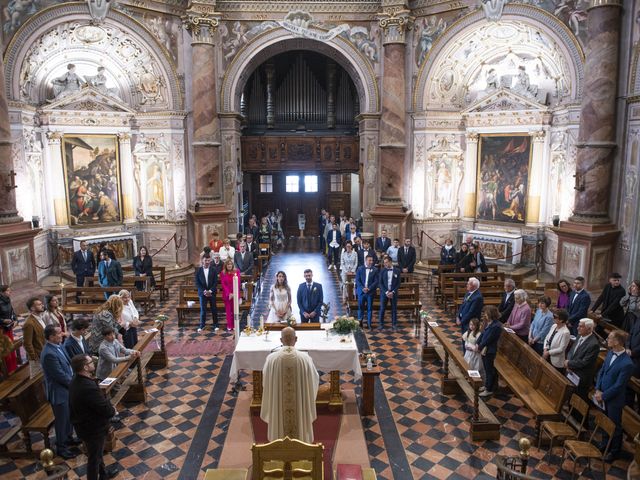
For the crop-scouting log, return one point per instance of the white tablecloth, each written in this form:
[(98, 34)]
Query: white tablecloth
[(251, 352)]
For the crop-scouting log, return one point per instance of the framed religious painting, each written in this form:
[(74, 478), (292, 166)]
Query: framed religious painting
[(92, 179), (503, 178)]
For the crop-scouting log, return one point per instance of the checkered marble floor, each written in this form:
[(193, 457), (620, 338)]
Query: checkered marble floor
[(417, 433)]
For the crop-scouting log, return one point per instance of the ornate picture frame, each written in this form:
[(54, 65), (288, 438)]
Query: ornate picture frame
[(92, 179), (504, 163)]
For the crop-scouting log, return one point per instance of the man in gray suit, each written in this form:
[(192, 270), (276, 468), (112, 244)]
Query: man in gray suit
[(581, 359), (243, 260)]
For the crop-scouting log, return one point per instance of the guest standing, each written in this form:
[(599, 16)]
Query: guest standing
[(130, 320), (334, 240), (243, 260), (7, 322), (488, 347), (520, 318), (108, 314), (470, 338), (564, 290), (53, 315), (83, 264), (609, 301), (227, 277), (389, 285), (206, 281), (366, 285), (75, 344), (631, 305), (508, 300), (448, 253), (471, 305), (581, 359), (90, 414), (348, 265), (215, 244), (407, 257), (383, 242), (461, 255), (143, 267), (392, 251), (557, 340), (227, 251), (33, 329), (541, 325), (579, 301)]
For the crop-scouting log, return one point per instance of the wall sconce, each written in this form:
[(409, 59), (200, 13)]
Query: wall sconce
[(11, 185)]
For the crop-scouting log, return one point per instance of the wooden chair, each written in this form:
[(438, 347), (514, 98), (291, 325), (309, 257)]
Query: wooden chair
[(576, 450), (562, 430), (287, 458)]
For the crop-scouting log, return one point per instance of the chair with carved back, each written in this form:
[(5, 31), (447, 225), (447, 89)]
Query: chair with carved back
[(288, 458), (563, 430), (576, 449)]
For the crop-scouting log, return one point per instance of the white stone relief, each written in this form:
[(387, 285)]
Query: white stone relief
[(153, 175), (444, 174), (98, 9)]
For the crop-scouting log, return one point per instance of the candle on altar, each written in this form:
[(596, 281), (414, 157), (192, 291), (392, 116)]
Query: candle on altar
[(236, 296)]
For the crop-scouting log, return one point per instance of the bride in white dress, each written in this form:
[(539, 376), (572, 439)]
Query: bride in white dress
[(279, 300)]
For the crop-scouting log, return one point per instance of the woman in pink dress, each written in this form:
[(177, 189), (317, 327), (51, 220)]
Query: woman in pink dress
[(227, 275)]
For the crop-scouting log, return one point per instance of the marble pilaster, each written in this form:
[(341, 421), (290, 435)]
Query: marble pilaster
[(8, 209), (535, 178), (470, 173), (597, 134), (54, 173), (128, 182)]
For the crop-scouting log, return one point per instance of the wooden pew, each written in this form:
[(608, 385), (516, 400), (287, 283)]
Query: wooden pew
[(447, 279), (143, 297), (534, 380), (159, 275), (408, 299), (90, 297), (189, 293), (484, 425), (491, 290)]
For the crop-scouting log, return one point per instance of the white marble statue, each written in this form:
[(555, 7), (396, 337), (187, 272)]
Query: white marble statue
[(99, 82), (68, 83)]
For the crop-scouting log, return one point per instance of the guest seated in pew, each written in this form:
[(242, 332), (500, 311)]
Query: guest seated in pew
[(53, 315), (611, 385), (508, 300), (472, 353), (557, 340), (471, 306), (75, 344), (111, 353), (541, 325), (564, 290), (56, 367), (581, 359), (143, 267), (609, 303), (33, 329), (109, 314), (130, 320), (90, 413), (488, 346), (579, 301), (448, 253), (520, 318)]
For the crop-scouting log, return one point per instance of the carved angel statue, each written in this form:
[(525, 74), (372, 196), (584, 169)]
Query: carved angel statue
[(68, 83), (99, 82), (98, 9)]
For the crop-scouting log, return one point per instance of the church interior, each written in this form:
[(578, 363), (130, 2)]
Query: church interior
[(160, 135)]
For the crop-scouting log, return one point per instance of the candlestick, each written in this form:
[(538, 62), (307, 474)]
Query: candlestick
[(236, 303)]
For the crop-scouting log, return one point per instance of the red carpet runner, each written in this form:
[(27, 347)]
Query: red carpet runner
[(325, 430)]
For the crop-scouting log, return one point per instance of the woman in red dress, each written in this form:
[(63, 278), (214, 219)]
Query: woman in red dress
[(7, 321), (215, 243), (227, 275)]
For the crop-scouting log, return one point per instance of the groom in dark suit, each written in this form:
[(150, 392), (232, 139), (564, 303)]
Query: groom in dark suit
[(310, 299), (83, 264)]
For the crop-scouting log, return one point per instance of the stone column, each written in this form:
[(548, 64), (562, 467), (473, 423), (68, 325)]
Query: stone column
[(54, 173), (202, 22), (128, 183), (394, 21), (597, 135), (470, 168), (535, 178)]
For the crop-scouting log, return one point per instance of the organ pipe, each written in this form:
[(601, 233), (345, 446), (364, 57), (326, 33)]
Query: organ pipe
[(331, 87)]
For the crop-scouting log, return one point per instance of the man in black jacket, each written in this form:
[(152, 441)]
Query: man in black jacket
[(609, 301), (90, 414), (406, 257), (508, 300), (581, 359)]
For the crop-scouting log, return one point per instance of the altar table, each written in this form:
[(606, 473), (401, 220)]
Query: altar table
[(330, 355)]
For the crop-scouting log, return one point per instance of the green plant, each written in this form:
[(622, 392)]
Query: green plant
[(345, 325)]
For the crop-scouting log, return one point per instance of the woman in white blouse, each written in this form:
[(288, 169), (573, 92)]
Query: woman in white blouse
[(130, 320), (348, 264), (555, 344)]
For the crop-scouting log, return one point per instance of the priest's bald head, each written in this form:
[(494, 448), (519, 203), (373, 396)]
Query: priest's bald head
[(288, 337)]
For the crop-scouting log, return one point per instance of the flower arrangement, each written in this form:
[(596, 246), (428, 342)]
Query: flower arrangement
[(161, 319), (345, 325)]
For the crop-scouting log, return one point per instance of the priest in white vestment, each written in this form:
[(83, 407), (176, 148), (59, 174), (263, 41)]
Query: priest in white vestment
[(289, 385)]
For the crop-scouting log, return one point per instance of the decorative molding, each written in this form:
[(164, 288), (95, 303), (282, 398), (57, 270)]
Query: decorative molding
[(395, 22)]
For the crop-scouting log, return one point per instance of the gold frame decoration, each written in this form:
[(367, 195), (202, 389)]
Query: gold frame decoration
[(504, 163), (92, 179)]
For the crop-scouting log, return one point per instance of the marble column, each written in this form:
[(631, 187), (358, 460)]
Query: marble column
[(395, 22), (128, 183), (54, 173), (597, 134), (470, 167), (202, 23), (535, 178)]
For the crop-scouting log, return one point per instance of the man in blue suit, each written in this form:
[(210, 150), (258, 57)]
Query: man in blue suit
[(611, 387), (383, 242), (334, 240), (83, 264), (206, 281), (56, 367), (109, 271), (310, 298), (365, 252), (471, 306), (389, 284), (579, 301), (366, 285), (75, 344)]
